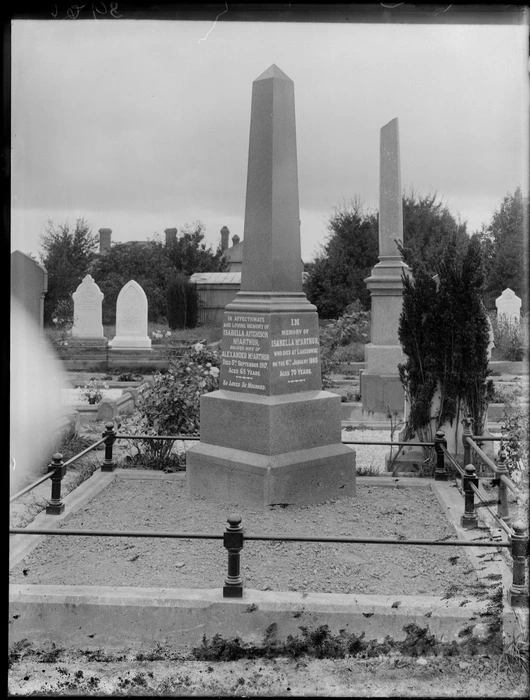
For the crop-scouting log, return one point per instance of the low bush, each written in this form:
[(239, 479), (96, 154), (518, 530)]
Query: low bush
[(170, 405), (353, 327)]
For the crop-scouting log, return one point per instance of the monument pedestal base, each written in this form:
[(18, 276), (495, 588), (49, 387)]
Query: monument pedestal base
[(382, 393), (125, 343), (270, 449), (295, 478), (79, 342)]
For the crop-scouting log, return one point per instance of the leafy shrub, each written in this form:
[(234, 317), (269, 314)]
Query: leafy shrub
[(63, 314), (192, 305), (515, 432), (176, 303), (352, 326), (130, 377), (170, 404)]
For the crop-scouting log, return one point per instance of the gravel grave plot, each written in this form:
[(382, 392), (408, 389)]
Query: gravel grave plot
[(164, 505)]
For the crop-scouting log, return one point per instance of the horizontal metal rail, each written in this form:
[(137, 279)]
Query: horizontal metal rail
[(49, 474), (397, 444), (491, 464), (486, 438), (158, 437), (501, 522), (39, 481), (506, 480), (453, 461), (84, 452), (267, 538)]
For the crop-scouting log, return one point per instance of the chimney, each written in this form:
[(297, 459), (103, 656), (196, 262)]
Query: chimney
[(225, 232), (235, 239), (104, 239), (171, 236)]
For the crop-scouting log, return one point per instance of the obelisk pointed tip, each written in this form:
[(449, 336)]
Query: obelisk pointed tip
[(273, 72), (392, 124)]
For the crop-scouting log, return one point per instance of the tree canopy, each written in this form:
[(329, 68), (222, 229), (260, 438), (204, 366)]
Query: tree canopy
[(66, 254), (153, 265), (145, 263), (189, 254), (336, 278), (444, 333), (503, 244)]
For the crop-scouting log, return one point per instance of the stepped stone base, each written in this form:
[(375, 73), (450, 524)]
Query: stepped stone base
[(270, 449), (223, 474)]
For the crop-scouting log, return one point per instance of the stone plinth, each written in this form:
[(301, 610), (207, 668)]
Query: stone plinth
[(270, 434), (276, 449)]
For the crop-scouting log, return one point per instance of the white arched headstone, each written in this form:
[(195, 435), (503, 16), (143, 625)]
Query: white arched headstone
[(131, 319), (88, 298), (508, 307)]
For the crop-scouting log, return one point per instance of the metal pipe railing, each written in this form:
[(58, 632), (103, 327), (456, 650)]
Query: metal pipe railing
[(485, 505), (453, 461), (261, 538), (490, 463)]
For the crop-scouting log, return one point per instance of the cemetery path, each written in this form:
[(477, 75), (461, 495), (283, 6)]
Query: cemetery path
[(393, 675)]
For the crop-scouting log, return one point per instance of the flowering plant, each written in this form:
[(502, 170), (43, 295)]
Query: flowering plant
[(92, 392), (170, 404), (160, 335)]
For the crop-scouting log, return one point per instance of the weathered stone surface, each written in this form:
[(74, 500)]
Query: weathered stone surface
[(269, 421), (131, 319), (88, 299)]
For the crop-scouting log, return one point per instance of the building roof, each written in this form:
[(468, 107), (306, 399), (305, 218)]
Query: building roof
[(216, 278)]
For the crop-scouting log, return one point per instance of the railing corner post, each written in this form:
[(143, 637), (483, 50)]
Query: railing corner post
[(110, 438), (469, 520), (518, 591), (56, 504), (440, 473), (233, 541)]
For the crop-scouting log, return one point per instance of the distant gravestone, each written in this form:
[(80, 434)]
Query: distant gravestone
[(29, 284), (88, 298), (131, 319), (508, 307)]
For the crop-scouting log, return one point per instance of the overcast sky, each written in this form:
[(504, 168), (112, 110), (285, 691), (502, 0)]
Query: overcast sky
[(141, 125)]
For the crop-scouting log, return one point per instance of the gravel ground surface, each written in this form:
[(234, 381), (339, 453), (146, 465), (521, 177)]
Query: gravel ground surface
[(337, 568)]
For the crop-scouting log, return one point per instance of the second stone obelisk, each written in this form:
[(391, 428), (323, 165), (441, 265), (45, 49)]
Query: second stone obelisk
[(270, 434)]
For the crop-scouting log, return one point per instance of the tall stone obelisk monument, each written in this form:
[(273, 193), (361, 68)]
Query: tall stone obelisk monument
[(270, 434), (381, 388)]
